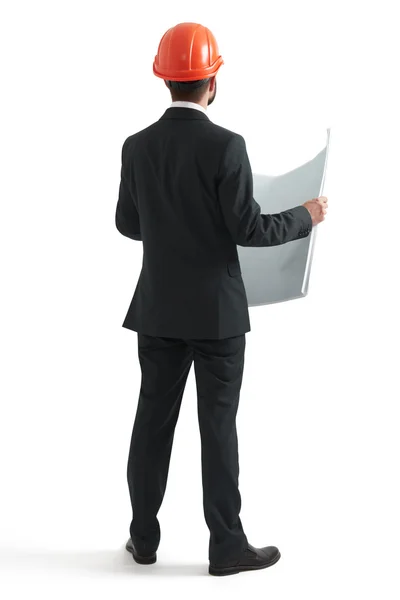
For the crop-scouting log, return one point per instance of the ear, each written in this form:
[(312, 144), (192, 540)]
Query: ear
[(212, 84)]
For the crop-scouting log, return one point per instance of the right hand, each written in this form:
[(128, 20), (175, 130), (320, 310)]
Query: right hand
[(317, 208)]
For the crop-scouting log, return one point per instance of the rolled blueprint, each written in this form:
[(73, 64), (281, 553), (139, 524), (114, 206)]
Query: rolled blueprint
[(279, 273)]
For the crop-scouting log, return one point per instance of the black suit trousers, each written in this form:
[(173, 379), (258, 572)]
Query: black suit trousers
[(165, 365)]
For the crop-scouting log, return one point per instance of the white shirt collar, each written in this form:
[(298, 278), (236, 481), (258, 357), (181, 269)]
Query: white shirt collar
[(181, 104)]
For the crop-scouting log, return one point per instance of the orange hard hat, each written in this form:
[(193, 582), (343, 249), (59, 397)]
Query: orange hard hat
[(187, 52)]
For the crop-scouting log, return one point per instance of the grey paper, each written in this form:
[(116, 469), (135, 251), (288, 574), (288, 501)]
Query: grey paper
[(278, 273)]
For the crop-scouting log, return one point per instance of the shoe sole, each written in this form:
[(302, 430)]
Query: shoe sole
[(142, 560), (234, 570)]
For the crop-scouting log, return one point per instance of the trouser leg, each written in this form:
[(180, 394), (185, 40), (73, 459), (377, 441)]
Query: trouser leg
[(165, 365), (219, 368)]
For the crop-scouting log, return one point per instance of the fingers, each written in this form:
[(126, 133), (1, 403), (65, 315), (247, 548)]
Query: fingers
[(323, 201)]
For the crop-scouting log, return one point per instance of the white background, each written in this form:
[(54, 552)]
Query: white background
[(317, 422)]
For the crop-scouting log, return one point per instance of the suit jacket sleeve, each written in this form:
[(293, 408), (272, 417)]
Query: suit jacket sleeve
[(126, 215), (242, 214)]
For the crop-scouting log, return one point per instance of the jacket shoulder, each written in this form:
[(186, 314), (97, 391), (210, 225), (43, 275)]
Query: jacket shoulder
[(220, 136), (225, 135), (142, 132)]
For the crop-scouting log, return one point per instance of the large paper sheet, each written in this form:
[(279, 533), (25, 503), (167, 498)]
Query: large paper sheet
[(278, 273)]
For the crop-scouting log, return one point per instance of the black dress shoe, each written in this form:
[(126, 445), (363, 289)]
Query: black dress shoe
[(142, 559), (251, 560)]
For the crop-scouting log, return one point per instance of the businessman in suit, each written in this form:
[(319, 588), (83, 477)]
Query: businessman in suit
[(186, 192)]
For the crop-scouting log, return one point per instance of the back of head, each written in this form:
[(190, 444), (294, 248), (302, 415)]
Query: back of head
[(189, 91)]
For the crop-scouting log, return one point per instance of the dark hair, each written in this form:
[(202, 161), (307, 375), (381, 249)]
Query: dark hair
[(190, 91)]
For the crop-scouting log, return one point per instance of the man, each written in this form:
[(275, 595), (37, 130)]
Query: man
[(186, 192)]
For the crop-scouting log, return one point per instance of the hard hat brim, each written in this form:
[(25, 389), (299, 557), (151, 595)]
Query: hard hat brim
[(192, 75)]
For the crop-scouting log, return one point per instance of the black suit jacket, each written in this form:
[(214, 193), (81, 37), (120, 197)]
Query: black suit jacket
[(186, 192)]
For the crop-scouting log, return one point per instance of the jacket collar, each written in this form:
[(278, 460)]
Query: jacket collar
[(184, 113)]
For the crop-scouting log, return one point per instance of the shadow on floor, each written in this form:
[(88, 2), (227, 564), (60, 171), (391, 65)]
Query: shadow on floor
[(107, 562)]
